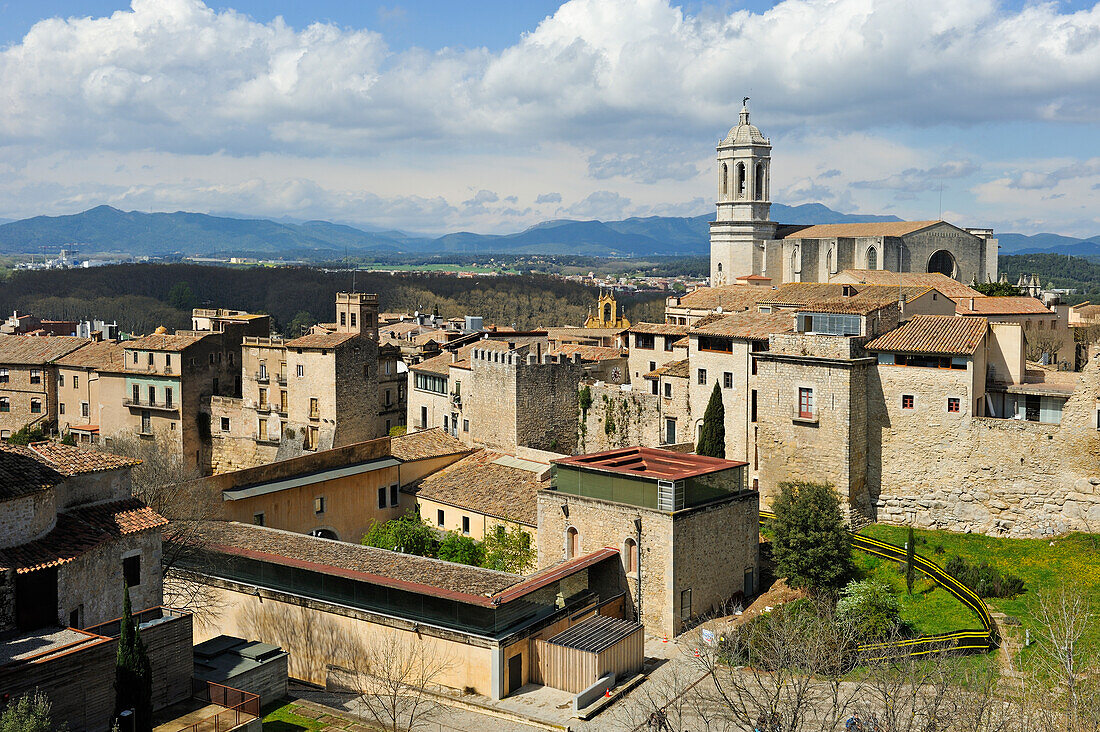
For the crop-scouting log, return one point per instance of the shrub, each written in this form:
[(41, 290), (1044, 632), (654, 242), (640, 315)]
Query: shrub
[(508, 550), (811, 547), (27, 434), (28, 713), (986, 581), (407, 534), (461, 549), (133, 673), (871, 607)]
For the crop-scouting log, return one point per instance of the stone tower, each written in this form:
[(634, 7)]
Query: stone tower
[(743, 223), (357, 312)]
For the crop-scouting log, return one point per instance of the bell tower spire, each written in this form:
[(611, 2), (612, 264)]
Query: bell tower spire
[(743, 222)]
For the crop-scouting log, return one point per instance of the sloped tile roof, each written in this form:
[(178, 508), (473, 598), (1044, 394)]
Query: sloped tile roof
[(32, 350), (428, 443), (119, 518), (942, 283), (1018, 305), (747, 325), (478, 483), (873, 228), (73, 460), (658, 328), (98, 355), (441, 364), (937, 334), (22, 472), (164, 342), (321, 340), (730, 298), (825, 297), (675, 369), (589, 353)]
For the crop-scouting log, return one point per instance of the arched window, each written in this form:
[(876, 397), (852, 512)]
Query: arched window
[(872, 258), (719, 266), (830, 262), (942, 262), (740, 180), (325, 534), (572, 543), (607, 312), (758, 191), (630, 556), (724, 183)]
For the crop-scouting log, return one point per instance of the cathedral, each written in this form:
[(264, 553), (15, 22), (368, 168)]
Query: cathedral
[(745, 242)]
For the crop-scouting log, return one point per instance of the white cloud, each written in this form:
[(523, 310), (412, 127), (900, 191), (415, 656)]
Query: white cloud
[(599, 205), (548, 198)]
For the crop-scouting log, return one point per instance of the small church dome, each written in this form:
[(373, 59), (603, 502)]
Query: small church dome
[(745, 133)]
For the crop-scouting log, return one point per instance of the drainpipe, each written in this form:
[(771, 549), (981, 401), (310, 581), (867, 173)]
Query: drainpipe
[(638, 569)]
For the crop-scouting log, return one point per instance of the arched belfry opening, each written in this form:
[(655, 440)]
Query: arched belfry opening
[(724, 183), (758, 190), (740, 180)]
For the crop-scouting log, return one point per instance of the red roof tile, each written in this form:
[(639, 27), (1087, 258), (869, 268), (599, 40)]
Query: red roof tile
[(938, 334)]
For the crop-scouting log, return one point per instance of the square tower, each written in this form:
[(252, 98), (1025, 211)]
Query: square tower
[(357, 312)]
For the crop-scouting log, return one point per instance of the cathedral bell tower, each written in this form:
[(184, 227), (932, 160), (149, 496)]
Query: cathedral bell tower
[(743, 223)]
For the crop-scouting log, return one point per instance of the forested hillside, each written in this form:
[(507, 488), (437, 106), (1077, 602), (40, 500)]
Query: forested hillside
[(1056, 270), (142, 296)]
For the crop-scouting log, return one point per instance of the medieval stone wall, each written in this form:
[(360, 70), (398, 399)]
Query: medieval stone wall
[(618, 418), (546, 405)]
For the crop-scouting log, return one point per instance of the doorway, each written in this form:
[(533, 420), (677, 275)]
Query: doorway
[(36, 599), (515, 672)]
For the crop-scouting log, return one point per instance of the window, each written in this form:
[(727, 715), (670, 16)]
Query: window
[(36, 406), (643, 341), (439, 517), (715, 344), (872, 258), (908, 401), (805, 402), (630, 556), (61, 408), (465, 425), (654, 387), (135, 357), (572, 543), (301, 370), (319, 504), (5, 404), (669, 340), (136, 393), (263, 371), (670, 431), (668, 389), (151, 359), (423, 418), (446, 424), (314, 409), (428, 382), (313, 437), (353, 320), (61, 379), (753, 368), (282, 401), (685, 604), (263, 399), (4, 376), (36, 376), (652, 365), (131, 570), (76, 382), (382, 497), (263, 429), (343, 318), (167, 396), (258, 518), (829, 324), (389, 397), (727, 380), (146, 422), (394, 494), (152, 395), (703, 376), (752, 407), (465, 524), (953, 405), (84, 410), (5, 434), (168, 361), (225, 424)]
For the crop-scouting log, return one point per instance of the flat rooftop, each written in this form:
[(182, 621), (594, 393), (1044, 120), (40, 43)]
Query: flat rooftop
[(649, 462)]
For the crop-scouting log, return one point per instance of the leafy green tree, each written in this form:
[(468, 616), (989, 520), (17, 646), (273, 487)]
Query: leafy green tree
[(68, 439), (712, 437), (302, 321), (406, 534), (997, 289), (398, 430), (31, 712), (810, 544), (508, 550), (871, 607), (910, 550), (133, 674), (460, 549), (27, 434), (181, 297)]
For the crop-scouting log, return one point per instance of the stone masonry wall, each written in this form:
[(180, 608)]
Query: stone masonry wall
[(546, 405), (619, 418)]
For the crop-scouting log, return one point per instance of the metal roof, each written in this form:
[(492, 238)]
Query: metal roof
[(259, 489), (595, 634)]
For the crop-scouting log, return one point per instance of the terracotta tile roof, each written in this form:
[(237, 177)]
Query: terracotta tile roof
[(874, 228), (939, 334), (321, 340), (433, 442), (755, 278), (73, 460), (730, 298), (951, 288), (22, 472), (480, 484), (401, 328), (589, 353), (747, 326), (365, 563), (1019, 305), (658, 328), (98, 355), (442, 363), (164, 342), (682, 343), (828, 297), (675, 369), (79, 531), (32, 350)]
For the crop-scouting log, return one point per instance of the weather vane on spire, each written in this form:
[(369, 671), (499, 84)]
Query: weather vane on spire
[(745, 102)]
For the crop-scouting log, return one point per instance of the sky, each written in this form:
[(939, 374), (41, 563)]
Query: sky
[(433, 116)]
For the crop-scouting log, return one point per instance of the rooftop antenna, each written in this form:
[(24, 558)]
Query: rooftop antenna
[(939, 217)]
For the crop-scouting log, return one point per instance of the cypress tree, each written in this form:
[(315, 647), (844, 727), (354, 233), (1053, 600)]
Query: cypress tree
[(909, 551), (133, 674), (712, 436)]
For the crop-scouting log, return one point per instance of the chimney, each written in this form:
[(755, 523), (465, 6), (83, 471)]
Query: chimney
[(454, 356), (971, 303)]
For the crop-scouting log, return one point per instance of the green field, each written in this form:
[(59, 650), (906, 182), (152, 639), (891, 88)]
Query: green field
[(480, 269), (283, 719)]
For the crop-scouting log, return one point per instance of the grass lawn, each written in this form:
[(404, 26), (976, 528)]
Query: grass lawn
[(281, 718), (1043, 564)]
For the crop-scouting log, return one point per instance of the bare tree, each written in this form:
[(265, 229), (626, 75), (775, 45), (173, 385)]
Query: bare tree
[(393, 676), (669, 701), (1064, 661)]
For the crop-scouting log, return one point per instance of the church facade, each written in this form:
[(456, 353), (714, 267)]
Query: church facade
[(745, 241)]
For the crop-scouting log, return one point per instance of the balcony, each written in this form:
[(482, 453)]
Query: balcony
[(261, 377), (281, 379), (211, 708), (156, 406)]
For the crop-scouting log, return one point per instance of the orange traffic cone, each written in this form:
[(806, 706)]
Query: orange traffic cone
[(607, 693)]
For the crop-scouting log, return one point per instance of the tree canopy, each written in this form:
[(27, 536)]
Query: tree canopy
[(712, 437), (811, 545)]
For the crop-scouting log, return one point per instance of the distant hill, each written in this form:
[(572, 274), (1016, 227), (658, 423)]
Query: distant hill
[(105, 229)]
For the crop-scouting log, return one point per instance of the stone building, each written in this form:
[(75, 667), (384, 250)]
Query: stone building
[(1047, 331), (86, 379), (745, 241), (685, 527), (607, 315), (28, 380), (652, 345)]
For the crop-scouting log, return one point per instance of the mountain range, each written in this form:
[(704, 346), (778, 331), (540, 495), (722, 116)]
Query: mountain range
[(104, 230)]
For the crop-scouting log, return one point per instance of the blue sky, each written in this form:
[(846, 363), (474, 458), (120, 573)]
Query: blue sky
[(492, 116)]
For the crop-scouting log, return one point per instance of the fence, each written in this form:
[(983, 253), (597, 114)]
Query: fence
[(967, 639), (240, 707)]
